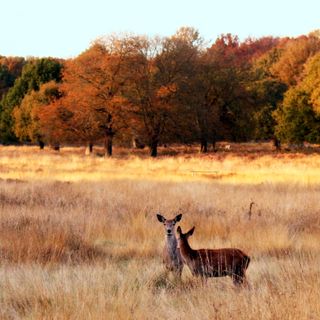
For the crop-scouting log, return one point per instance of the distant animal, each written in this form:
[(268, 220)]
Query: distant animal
[(171, 254), (227, 147), (213, 262)]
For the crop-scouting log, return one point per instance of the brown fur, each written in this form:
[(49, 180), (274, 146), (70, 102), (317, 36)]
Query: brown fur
[(213, 262)]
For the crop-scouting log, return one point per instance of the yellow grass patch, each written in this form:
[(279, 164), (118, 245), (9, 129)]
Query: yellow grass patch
[(79, 238), (28, 163)]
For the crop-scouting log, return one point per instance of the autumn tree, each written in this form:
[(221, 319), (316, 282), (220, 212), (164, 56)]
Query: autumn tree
[(81, 125), (53, 118), (27, 125), (298, 117), (92, 86), (273, 74), (218, 98), (147, 98), (294, 54), (164, 90), (252, 49), (311, 81), (157, 72)]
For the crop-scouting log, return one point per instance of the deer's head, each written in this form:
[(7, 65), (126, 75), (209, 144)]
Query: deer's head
[(169, 224), (184, 236)]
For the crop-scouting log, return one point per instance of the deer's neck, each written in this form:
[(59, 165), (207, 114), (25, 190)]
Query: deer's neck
[(185, 249), (171, 242)]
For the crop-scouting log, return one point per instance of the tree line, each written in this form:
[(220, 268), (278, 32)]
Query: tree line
[(132, 89)]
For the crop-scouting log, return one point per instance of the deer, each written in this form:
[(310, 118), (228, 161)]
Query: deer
[(213, 262), (171, 255)]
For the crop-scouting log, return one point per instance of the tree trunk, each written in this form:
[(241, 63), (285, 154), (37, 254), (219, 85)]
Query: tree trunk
[(276, 143), (89, 149), (108, 138), (204, 145), (154, 148), (214, 141), (41, 144)]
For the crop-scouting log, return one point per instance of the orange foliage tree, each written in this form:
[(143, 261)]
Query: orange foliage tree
[(294, 54), (50, 119), (92, 85)]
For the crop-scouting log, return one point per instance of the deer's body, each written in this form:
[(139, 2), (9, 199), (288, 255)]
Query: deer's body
[(171, 254), (213, 262)]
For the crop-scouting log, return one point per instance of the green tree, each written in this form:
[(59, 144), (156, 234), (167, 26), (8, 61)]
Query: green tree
[(10, 70), (296, 119), (266, 92), (6, 79), (35, 72)]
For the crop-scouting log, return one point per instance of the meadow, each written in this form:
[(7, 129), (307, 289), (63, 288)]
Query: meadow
[(79, 238)]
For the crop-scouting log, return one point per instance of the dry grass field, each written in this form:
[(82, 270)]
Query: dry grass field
[(79, 238)]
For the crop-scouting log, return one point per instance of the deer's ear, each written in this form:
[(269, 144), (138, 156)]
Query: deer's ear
[(161, 218), (178, 217), (190, 232), (179, 230)]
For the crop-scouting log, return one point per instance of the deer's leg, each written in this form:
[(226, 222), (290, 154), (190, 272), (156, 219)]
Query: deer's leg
[(239, 277)]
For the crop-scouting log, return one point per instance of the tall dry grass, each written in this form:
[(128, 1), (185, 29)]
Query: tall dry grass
[(79, 238)]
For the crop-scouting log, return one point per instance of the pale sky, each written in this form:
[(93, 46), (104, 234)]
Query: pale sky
[(65, 28)]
